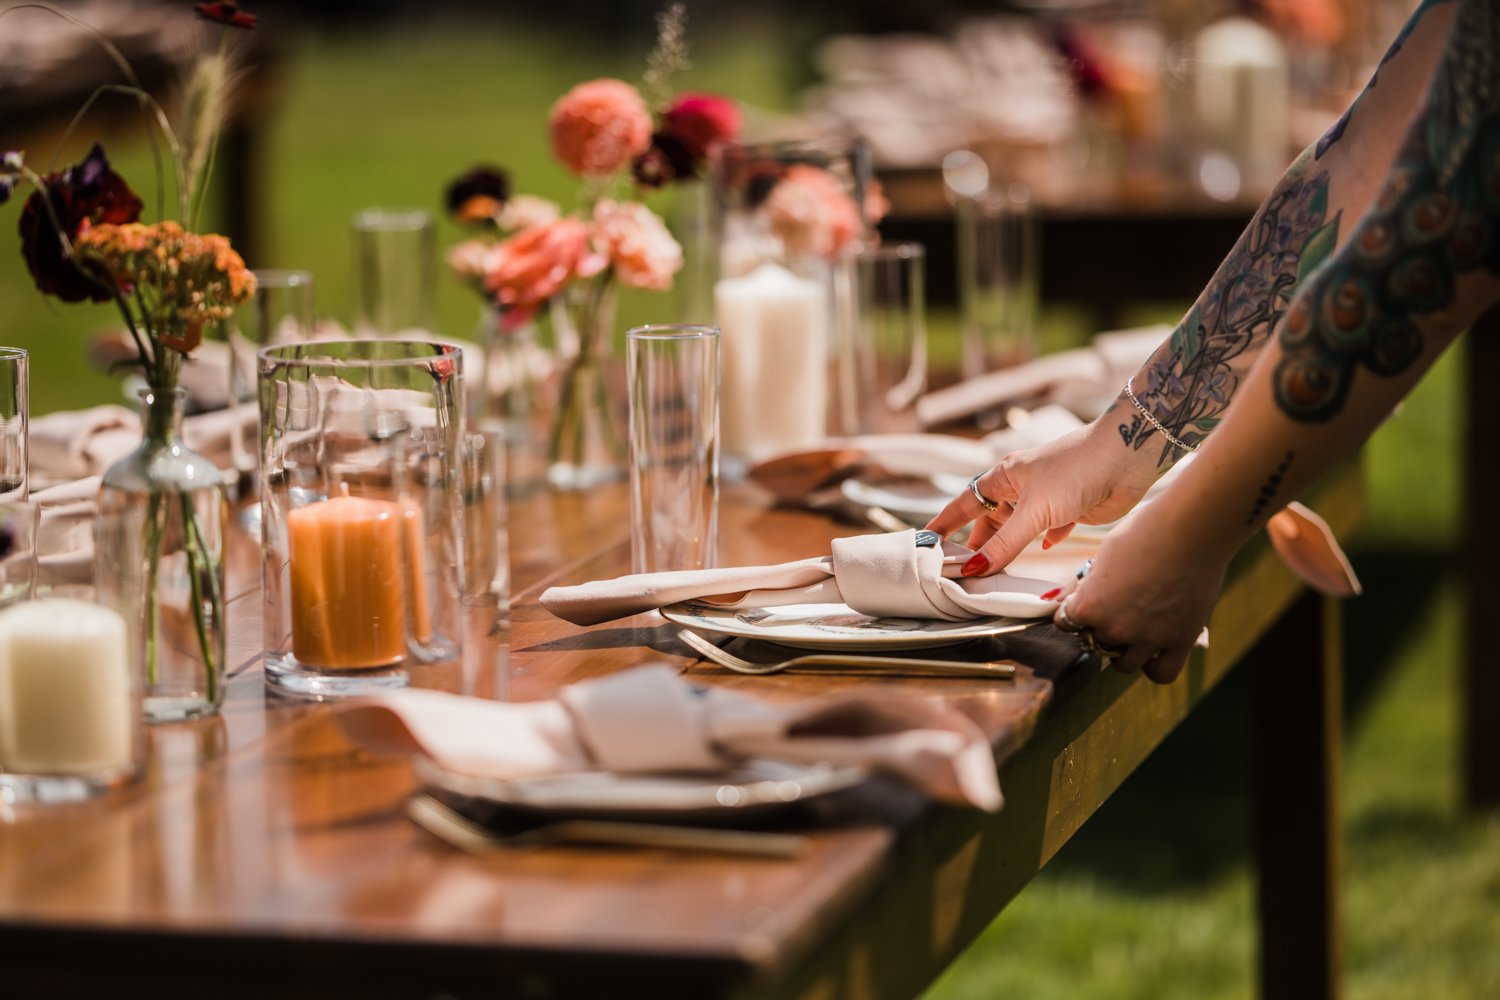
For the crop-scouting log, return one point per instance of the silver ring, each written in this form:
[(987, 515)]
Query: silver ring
[(984, 501), (1063, 620)]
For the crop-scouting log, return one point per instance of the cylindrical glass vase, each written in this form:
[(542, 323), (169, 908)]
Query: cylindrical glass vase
[(786, 212), (159, 562), (361, 513)]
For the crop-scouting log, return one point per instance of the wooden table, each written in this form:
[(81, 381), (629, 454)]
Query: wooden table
[(262, 855)]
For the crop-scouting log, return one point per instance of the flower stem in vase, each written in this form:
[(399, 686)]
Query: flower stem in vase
[(585, 447)]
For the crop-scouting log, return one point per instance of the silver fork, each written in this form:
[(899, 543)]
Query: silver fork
[(893, 664), (459, 831)]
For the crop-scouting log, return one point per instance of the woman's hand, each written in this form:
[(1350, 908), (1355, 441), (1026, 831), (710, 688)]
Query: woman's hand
[(1147, 594), (1087, 476)]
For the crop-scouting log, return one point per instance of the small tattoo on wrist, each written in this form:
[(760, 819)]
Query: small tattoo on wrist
[(1269, 488)]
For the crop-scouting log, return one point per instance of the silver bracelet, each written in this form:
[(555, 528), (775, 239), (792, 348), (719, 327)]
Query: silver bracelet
[(1151, 419)]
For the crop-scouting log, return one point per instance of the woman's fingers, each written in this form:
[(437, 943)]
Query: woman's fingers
[(1055, 535), (992, 485), (984, 530), (1020, 527), (1167, 664), (1133, 659)]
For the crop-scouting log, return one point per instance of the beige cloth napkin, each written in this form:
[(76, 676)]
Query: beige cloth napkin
[(649, 720), (65, 534), (1086, 379), (77, 443), (886, 576)]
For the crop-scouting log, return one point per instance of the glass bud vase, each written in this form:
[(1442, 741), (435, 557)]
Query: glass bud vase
[(518, 396), (159, 561), (586, 446)]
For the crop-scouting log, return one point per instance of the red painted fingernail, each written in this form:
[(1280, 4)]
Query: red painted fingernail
[(1051, 593), (1046, 544), (977, 564)]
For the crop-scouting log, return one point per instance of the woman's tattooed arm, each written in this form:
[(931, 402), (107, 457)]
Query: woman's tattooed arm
[(1436, 218), (1188, 383)]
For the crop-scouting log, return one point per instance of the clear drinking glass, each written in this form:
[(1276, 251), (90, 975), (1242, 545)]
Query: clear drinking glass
[(486, 562), (673, 372), (361, 513), (15, 407), (19, 523), (891, 335), (281, 311), (395, 272), (998, 278)]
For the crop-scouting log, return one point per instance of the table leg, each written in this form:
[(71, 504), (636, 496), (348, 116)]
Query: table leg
[(1480, 684), (1297, 735)]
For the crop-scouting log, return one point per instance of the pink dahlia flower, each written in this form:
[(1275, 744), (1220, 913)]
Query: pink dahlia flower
[(599, 127), (537, 263), (637, 243), (812, 213), (703, 122)]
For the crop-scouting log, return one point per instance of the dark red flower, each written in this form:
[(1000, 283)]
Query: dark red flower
[(478, 195), (225, 12), (702, 123), (666, 161), (1086, 62), (88, 193)]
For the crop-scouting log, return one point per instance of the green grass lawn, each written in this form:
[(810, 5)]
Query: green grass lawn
[(1154, 898)]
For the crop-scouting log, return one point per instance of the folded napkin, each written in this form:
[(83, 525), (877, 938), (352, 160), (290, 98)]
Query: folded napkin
[(1089, 377), (885, 576), (649, 720), (65, 534), (74, 444)]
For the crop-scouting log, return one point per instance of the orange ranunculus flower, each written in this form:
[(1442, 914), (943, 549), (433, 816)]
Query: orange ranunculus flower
[(537, 263)]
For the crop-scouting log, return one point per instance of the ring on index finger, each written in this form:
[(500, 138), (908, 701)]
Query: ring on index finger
[(984, 501), (1063, 620)]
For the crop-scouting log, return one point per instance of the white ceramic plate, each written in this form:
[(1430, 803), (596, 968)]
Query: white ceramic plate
[(753, 788), (915, 500), (833, 626)]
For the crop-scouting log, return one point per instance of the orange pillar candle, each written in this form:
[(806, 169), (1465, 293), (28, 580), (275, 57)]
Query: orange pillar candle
[(416, 572), (348, 582)]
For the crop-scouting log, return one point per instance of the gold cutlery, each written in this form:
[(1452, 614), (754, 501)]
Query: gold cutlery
[(888, 664), (459, 831)]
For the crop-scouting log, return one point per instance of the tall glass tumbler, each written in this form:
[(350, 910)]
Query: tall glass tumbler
[(362, 513), (673, 372), (998, 278), (891, 335), (395, 271), (280, 312), (15, 407)]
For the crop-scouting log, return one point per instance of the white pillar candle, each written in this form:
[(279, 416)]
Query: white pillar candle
[(774, 357), (66, 704)]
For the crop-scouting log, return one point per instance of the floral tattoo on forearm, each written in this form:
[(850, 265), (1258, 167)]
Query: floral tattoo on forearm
[(1437, 217), (1187, 384)]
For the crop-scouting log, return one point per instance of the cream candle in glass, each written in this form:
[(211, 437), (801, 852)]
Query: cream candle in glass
[(70, 709), (774, 349)]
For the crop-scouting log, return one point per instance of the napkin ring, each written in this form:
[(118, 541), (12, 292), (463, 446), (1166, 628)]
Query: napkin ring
[(1094, 647), (984, 501)]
